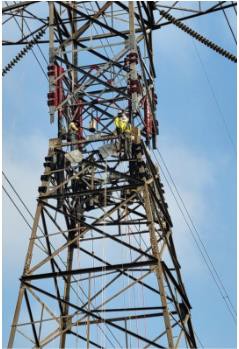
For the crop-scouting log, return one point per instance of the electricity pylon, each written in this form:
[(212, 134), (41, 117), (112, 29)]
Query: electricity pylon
[(101, 268)]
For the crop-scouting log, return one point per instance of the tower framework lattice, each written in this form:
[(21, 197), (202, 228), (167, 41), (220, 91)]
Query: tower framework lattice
[(101, 268)]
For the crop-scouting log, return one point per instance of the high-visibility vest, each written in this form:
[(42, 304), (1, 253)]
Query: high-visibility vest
[(124, 126), (72, 126)]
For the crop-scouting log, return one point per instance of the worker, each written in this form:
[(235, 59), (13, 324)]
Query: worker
[(123, 129), (73, 126), (72, 132), (122, 123)]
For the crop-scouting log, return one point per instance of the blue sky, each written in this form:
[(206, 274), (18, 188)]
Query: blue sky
[(193, 140)]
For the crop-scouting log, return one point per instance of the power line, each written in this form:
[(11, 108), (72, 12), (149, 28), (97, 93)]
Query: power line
[(86, 215), (198, 339), (191, 221), (39, 63), (215, 100), (17, 208), (29, 225), (234, 8), (24, 20), (229, 25), (24, 218), (209, 263), (14, 190)]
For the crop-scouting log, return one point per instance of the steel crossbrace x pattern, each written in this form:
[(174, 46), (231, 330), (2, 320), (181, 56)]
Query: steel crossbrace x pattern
[(106, 273)]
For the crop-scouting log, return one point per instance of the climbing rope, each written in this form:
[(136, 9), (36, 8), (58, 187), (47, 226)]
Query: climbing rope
[(199, 37), (23, 52)]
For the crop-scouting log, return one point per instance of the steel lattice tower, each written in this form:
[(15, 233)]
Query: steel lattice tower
[(101, 268)]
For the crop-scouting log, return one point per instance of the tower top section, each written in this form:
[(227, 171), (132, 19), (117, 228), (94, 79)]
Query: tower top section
[(101, 65)]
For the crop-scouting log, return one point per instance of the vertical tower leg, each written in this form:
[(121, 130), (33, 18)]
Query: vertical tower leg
[(26, 269), (108, 210), (158, 269)]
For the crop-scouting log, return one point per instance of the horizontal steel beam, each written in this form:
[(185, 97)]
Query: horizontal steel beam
[(126, 309), (86, 340), (80, 39), (18, 5), (121, 266), (89, 192), (88, 313), (92, 19), (124, 318)]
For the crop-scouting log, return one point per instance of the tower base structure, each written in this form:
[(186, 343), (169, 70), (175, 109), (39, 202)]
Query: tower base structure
[(101, 267)]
